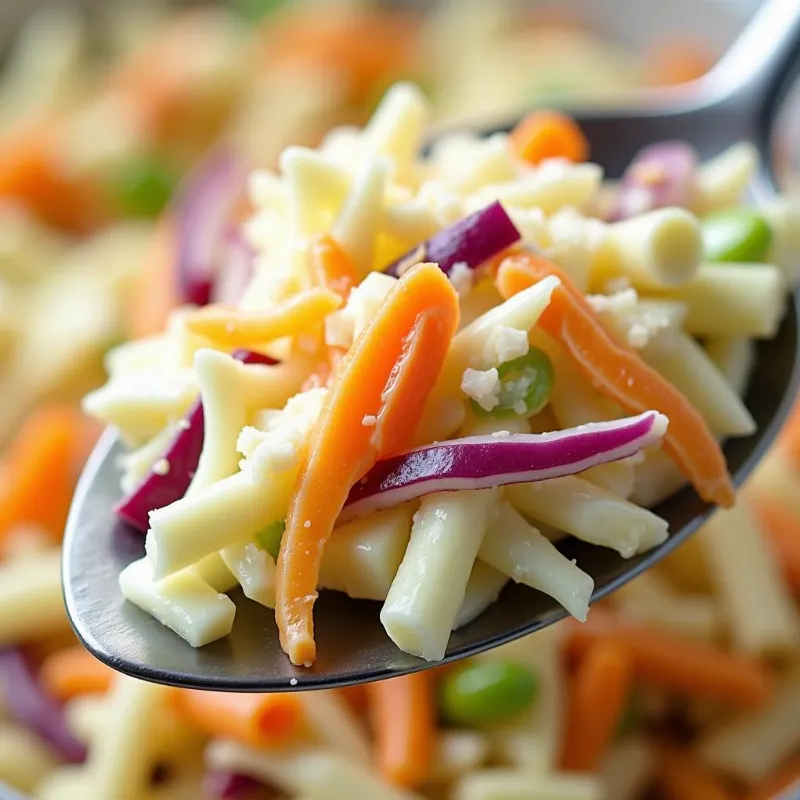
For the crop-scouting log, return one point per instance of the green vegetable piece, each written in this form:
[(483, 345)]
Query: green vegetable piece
[(631, 718), (487, 692), (269, 538), (255, 10), (736, 235), (526, 384), (143, 186)]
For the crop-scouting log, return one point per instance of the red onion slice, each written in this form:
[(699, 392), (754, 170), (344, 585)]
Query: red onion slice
[(471, 241), (229, 785), (182, 454), (481, 462), (660, 175), (33, 707), (203, 212), (235, 269)]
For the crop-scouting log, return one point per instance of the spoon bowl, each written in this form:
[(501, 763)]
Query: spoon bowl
[(738, 100)]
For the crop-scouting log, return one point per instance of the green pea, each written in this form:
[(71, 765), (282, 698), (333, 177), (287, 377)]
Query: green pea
[(525, 386), (736, 235), (486, 692), (255, 10), (142, 186), (269, 538)]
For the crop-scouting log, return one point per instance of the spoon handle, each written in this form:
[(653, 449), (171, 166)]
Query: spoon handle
[(760, 66)]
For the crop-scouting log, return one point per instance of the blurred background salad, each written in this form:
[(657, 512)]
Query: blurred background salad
[(107, 107)]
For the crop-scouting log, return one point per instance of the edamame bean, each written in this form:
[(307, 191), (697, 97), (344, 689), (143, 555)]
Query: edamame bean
[(269, 538), (486, 692), (735, 235), (143, 186), (525, 386)]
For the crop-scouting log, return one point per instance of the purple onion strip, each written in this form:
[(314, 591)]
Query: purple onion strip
[(33, 707), (229, 785), (471, 241), (481, 462), (660, 175), (203, 212), (182, 454)]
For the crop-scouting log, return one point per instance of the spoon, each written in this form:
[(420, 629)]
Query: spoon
[(737, 100)]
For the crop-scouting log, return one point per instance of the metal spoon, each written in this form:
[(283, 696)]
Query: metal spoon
[(738, 100)]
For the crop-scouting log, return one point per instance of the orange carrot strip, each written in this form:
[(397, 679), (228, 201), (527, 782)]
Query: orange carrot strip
[(789, 440), (598, 696), (782, 526), (678, 60), (770, 788), (403, 713), (356, 697), (683, 777), (418, 318), (30, 174), (155, 294), (39, 471), (255, 719), (73, 672), (618, 372), (667, 660), (331, 267), (549, 134), (235, 328)]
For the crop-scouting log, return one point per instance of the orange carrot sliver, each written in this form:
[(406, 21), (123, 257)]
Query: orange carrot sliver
[(40, 470), (685, 778), (782, 526), (73, 672), (418, 317), (783, 778), (618, 372), (254, 719), (789, 440), (403, 712), (664, 659), (549, 134), (235, 328), (331, 267), (598, 696)]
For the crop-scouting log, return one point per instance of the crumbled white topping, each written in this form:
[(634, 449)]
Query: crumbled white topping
[(462, 278), (369, 420), (307, 523), (293, 682), (500, 434), (504, 344), (616, 285), (161, 467), (184, 424), (483, 386), (620, 302), (345, 325)]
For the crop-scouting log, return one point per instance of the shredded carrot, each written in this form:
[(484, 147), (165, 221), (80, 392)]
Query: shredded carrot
[(39, 471), (678, 60), (414, 325), (256, 719), (155, 294), (683, 777), (73, 672), (31, 175), (403, 713), (331, 267), (356, 697), (618, 372), (232, 327), (364, 49), (784, 777), (664, 659), (789, 441), (549, 134), (598, 696), (782, 527)]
